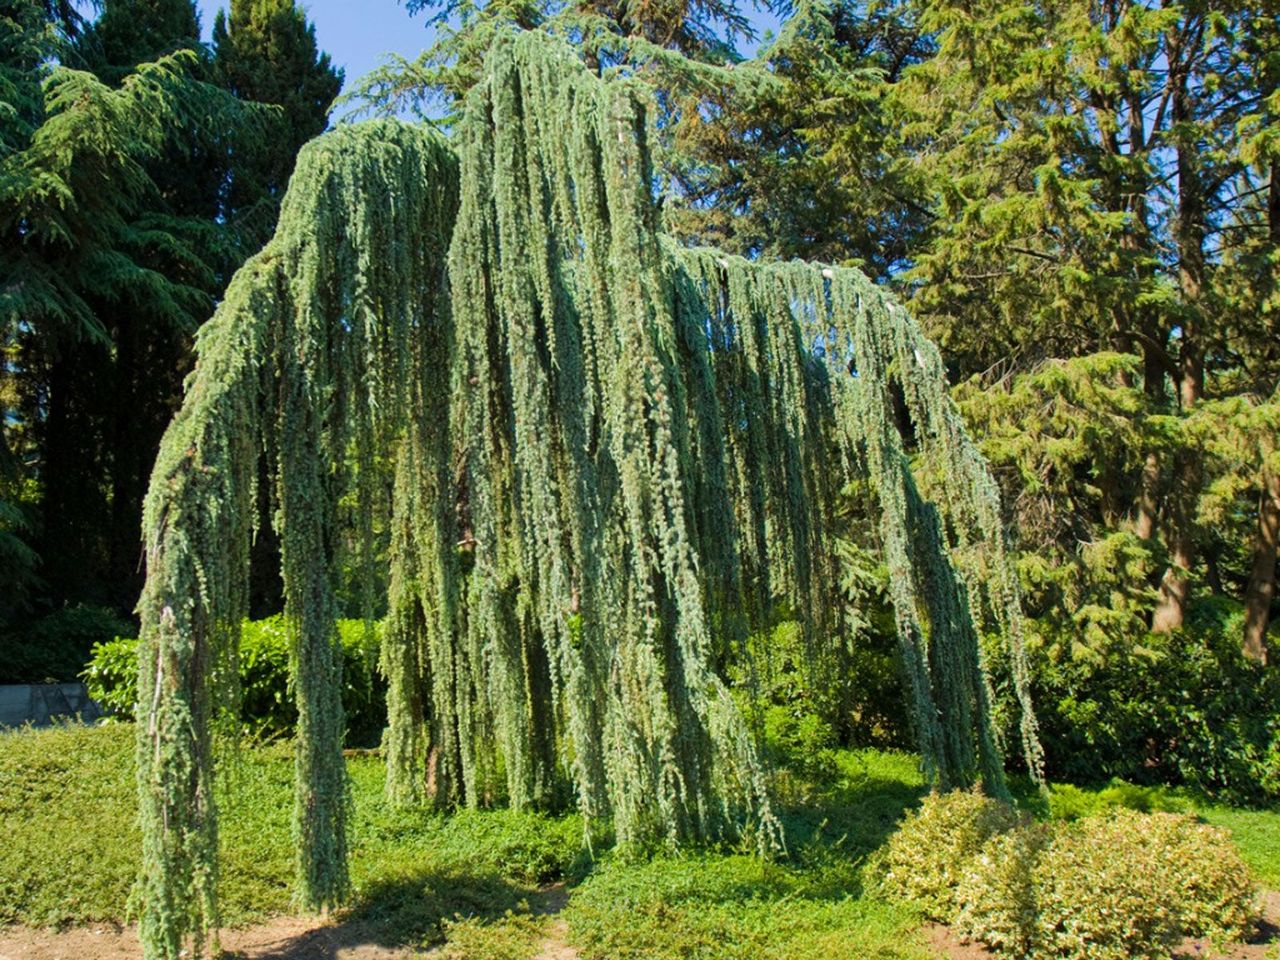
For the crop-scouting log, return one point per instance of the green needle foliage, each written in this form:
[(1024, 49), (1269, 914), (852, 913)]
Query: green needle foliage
[(610, 458), (310, 353)]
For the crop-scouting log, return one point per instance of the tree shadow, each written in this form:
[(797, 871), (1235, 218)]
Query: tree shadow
[(857, 815), (408, 911), (832, 827), (841, 824)]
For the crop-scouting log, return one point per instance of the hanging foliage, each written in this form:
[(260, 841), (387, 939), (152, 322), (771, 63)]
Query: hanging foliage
[(611, 459), (307, 363)]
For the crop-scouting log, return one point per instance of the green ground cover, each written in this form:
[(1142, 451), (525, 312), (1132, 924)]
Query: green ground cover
[(481, 883)]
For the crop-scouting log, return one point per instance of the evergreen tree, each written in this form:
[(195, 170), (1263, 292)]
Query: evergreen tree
[(130, 32), (116, 248), (682, 36), (1090, 188), (266, 52), (79, 216), (604, 450), (107, 398), (794, 159)]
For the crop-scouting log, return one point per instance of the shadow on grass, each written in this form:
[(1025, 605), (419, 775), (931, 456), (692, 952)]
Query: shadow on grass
[(403, 912), (830, 829), (849, 819)]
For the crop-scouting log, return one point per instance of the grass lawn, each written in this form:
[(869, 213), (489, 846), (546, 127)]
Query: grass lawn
[(480, 882)]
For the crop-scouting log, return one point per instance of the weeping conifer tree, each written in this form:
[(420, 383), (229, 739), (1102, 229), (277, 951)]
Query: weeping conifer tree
[(309, 362), (609, 457)]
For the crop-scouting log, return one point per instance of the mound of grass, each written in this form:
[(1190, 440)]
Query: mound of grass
[(67, 802), (732, 907), (513, 936)]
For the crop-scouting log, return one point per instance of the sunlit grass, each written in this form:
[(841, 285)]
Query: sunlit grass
[(475, 881)]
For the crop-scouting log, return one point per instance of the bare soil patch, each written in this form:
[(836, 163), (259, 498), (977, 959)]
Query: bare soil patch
[(283, 938), (945, 942), (550, 900)]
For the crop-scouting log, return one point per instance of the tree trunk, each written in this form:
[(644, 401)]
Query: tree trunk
[(1262, 581), (1155, 360), (1175, 585), (1149, 497)]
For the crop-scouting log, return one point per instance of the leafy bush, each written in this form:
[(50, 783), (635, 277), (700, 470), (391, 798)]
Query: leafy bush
[(1099, 894), (112, 676), (1204, 874), (1186, 708), (55, 647), (995, 895), (800, 741), (843, 690), (1111, 887), (267, 705), (924, 861)]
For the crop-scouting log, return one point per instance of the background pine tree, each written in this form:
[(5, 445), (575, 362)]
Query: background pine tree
[(120, 238), (266, 51)]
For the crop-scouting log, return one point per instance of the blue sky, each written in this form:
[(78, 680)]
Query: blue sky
[(356, 33)]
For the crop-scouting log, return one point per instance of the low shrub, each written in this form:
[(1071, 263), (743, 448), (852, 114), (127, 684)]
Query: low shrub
[(1121, 885), (267, 705), (1099, 894), (513, 936), (54, 647), (995, 895), (1205, 875), (1069, 802), (924, 861)]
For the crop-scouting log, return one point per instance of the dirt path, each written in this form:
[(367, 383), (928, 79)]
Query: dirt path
[(284, 938), (309, 938), (548, 903)]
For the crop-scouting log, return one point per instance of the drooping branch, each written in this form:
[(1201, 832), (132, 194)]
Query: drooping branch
[(310, 351), (613, 458)]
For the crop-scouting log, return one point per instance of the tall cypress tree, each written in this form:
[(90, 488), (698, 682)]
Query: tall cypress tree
[(266, 52), (130, 32)]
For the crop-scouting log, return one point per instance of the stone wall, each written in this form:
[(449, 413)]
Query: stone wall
[(40, 704)]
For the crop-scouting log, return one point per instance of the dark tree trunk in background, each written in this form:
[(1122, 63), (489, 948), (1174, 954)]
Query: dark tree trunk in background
[(1262, 578), (1175, 585), (75, 501)]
